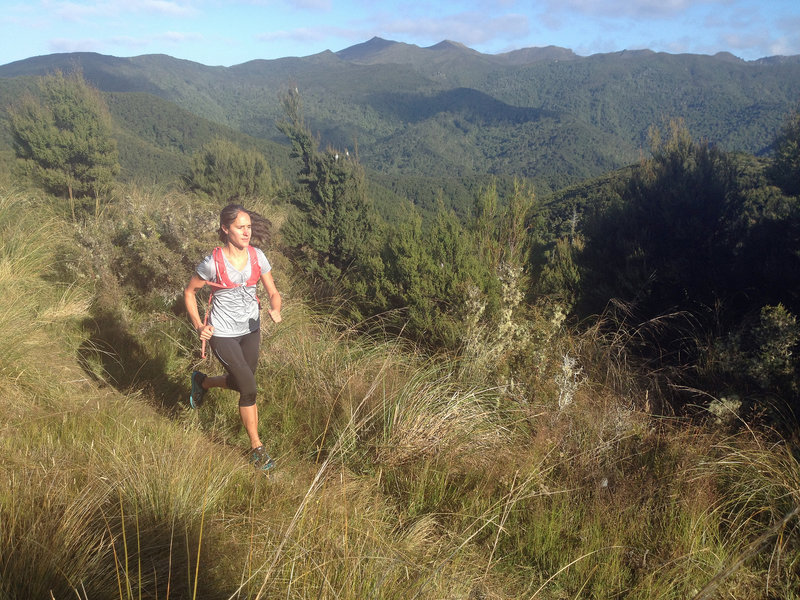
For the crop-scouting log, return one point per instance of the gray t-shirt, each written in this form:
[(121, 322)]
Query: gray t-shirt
[(234, 311)]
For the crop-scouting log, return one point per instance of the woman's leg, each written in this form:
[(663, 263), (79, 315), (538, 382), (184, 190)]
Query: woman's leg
[(249, 412), (239, 356), (219, 381), (249, 416)]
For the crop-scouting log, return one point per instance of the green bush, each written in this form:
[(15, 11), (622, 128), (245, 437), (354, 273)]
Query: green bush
[(224, 172), (63, 140)]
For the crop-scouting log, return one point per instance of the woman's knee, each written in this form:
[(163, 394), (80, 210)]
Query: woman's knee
[(246, 400), (245, 385), (247, 389)]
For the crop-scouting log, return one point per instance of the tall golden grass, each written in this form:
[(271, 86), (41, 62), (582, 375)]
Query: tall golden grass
[(399, 475)]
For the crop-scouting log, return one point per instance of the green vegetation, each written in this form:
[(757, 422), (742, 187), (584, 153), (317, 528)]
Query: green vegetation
[(224, 171), (63, 139), (585, 394), (399, 475), (442, 119), (334, 235), (697, 246), (786, 165)]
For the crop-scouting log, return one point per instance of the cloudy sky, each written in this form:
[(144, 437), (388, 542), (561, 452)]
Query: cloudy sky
[(228, 32)]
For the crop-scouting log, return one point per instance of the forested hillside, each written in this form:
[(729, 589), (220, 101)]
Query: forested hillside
[(544, 114)]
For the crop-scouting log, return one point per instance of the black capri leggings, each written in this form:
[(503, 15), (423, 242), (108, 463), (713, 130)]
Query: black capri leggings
[(239, 356)]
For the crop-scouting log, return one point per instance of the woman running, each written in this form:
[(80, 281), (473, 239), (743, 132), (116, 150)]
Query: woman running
[(233, 326)]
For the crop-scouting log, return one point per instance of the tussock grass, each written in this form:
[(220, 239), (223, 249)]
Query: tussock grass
[(759, 483), (28, 235), (399, 475)]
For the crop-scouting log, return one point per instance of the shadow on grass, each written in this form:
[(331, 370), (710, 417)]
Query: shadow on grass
[(113, 355), (150, 558)]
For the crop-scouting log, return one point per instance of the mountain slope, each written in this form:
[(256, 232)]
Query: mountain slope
[(543, 113)]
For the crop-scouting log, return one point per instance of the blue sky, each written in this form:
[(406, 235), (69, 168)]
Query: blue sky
[(217, 32)]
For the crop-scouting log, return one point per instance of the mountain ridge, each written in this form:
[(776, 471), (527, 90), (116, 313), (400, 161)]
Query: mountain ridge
[(377, 46), (545, 114)]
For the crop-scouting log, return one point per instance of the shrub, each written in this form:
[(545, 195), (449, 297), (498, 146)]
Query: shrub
[(224, 172)]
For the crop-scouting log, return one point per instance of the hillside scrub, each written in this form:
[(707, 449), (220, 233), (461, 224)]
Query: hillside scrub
[(555, 120), (443, 424), (400, 475), (697, 249)]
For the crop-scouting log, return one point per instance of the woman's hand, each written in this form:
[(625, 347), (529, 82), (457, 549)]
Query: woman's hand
[(205, 332), (275, 315)]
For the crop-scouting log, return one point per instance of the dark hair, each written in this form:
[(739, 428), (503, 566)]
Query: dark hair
[(261, 225)]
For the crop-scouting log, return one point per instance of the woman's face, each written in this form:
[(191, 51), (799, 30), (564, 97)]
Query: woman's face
[(239, 231)]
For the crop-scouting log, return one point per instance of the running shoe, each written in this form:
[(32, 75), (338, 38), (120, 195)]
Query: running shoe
[(197, 389), (260, 459)]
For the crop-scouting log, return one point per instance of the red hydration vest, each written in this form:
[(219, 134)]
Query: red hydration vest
[(223, 281), (222, 273)]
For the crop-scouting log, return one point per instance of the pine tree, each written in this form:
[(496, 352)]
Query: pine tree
[(62, 138), (335, 236), (668, 245), (458, 273), (410, 273), (225, 171)]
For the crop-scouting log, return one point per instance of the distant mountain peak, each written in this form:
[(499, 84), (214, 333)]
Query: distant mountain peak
[(727, 56), (544, 113), (366, 49), (381, 51), (541, 54), (449, 44)]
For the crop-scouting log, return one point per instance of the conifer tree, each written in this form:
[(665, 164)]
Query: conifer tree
[(668, 245), (484, 223), (335, 235), (225, 171), (458, 273), (519, 224), (456, 264), (503, 234), (410, 273), (62, 138)]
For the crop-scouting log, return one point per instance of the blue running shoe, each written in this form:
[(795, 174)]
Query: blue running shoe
[(260, 459), (197, 389)]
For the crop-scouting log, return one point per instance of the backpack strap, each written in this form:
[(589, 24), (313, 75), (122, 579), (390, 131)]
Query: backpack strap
[(222, 272), (255, 269)]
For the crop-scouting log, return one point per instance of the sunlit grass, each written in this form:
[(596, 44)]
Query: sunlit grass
[(399, 475)]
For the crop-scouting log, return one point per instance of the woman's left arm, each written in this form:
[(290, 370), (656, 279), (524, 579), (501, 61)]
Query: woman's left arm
[(274, 309)]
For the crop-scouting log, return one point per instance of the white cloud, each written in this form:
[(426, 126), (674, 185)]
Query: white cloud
[(164, 7), (296, 35), (127, 41), (178, 37), (81, 11), (627, 8), (121, 43), (783, 47), (324, 5), (73, 45), (74, 11), (467, 28), (292, 5)]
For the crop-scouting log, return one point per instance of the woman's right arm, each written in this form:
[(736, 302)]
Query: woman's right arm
[(190, 299)]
